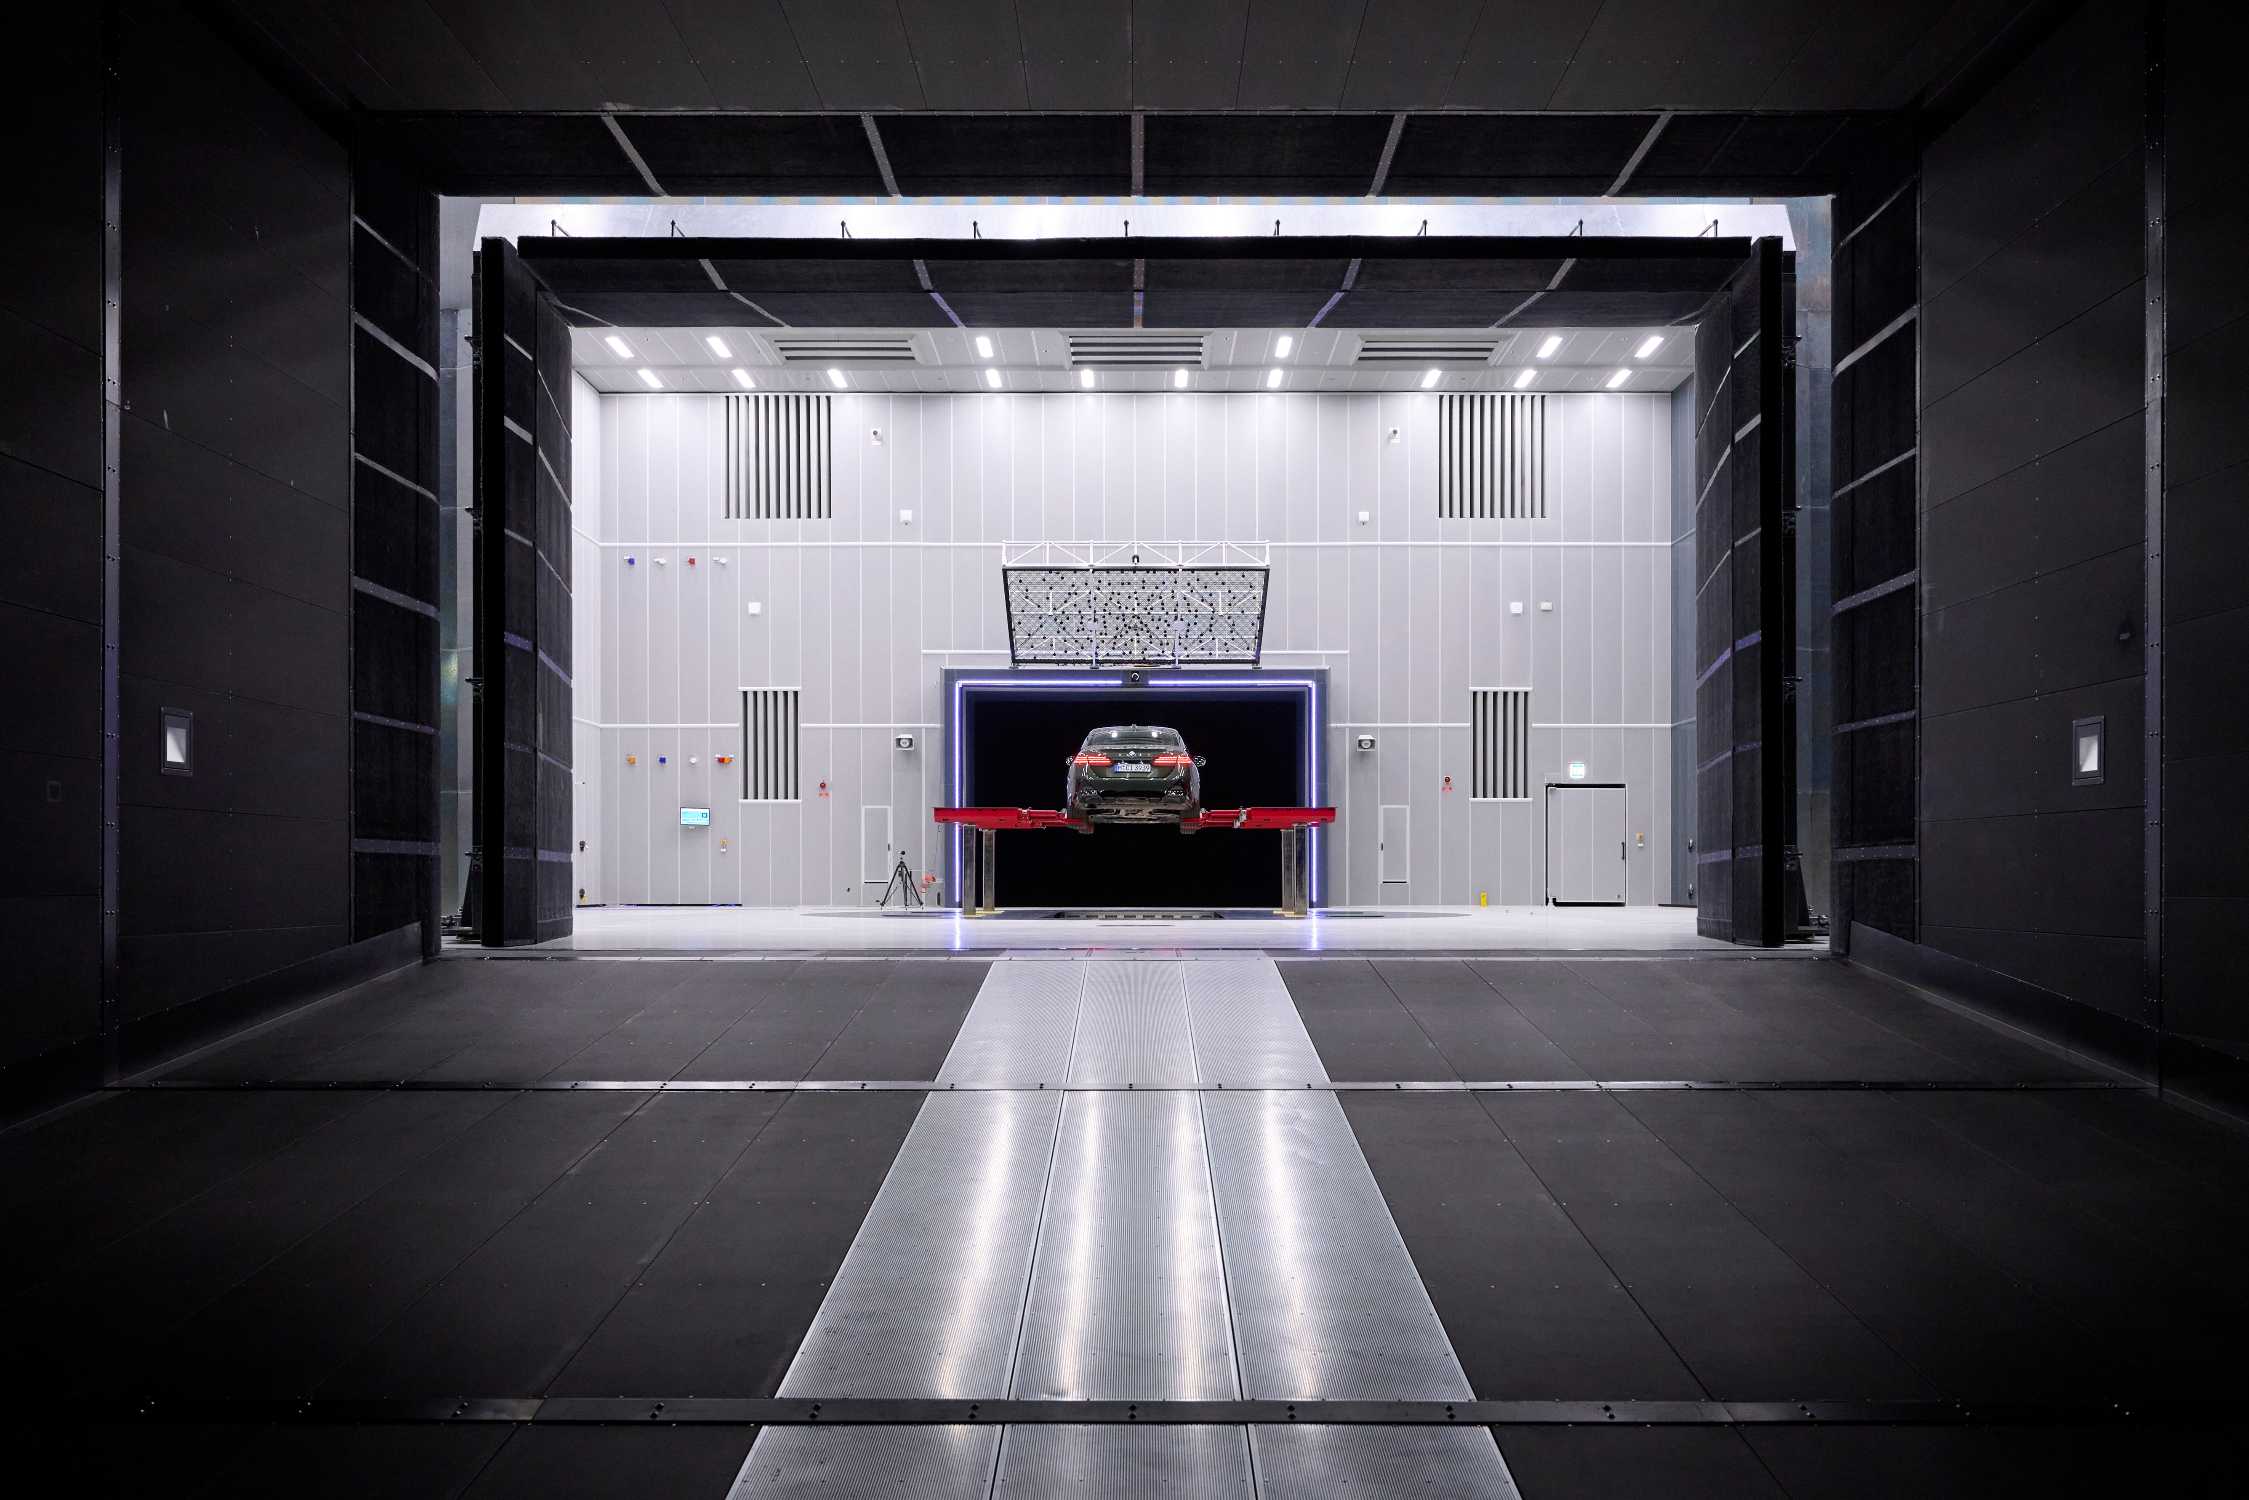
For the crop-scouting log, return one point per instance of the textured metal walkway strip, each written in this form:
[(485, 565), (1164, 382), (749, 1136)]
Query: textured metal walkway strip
[(1127, 1295), (1019, 1031), (1247, 1032), (930, 1296), (1307, 1461), (642, 1411), (1191, 1463), (927, 1463), (1132, 1028), (1326, 1299)]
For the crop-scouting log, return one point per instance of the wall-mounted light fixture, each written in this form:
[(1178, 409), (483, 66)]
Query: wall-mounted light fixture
[(2088, 759), (178, 739)]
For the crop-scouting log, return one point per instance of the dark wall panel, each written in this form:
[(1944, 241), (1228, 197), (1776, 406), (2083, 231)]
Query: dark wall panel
[(522, 603), (2032, 460), (234, 481)]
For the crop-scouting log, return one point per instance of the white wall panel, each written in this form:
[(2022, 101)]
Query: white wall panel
[(1410, 611)]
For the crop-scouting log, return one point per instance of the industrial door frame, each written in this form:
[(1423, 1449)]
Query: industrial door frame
[(1546, 844)]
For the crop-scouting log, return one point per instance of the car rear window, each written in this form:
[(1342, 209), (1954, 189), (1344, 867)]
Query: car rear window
[(1133, 734)]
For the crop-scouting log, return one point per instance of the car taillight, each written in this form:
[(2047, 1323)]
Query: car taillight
[(1089, 760), (1175, 760)]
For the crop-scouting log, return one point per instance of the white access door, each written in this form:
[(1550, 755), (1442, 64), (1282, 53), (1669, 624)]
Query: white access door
[(1395, 850), (875, 853), (1586, 841)]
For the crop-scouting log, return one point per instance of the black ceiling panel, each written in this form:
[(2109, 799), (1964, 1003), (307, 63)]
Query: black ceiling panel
[(1060, 309), (967, 156), (1409, 52), (852, 309), (1297, 56), (1187, 54), (1453, 273), (746, 51), (639, 275), (969, 53), (1422, 309), (1492, 155), (704, 309), (1220, 308), (1259, 274), (757, 155), (1683, 273), (857, 52), (504, 155), (1028, 274), (800, 273), (1705, 153), (1621, 309), (1263, 155), (1077, 54), (1517, 54)]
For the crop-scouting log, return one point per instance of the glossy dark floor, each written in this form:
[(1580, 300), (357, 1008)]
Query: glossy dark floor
[(1951, 1236)]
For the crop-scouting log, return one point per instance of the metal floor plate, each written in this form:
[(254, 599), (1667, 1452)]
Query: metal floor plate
[(1341, 1463), (1247, 1032), (913, 1463), (1326, 1301), (1173, 1463), (1128, 1301), (1018, 1033), (929, 1300), (1132, 1028)]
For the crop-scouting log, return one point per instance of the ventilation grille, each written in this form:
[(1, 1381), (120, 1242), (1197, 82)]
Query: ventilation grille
[(1134, 350), (846, 349), (1452, 349), (769, 744), (779, 459), (1491, 458), (1500, 732)]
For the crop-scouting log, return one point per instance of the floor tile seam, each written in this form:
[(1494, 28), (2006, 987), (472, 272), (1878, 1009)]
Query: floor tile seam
[(1435, 1050), (1596, 1251), (1546, 1036), (814, 1066), (1749, 1221), (596, 1041), (709, 1191), (174, 1323), (1225, 1263), (421, 1295), (764, 998)]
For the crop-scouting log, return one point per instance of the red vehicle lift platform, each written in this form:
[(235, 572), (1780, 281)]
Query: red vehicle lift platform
[(981, 899)]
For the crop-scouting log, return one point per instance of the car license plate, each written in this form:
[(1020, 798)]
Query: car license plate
[(1134, 768)]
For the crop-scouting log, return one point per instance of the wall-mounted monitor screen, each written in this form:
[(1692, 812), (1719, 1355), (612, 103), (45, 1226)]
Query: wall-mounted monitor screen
[(694, 817)]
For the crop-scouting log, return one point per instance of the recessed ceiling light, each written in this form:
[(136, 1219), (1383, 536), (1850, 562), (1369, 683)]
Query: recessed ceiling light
[(983, 346), (648, 378), (1179, 380), (1272, 380), (1525, 379), (1430, 378), (1551, 347), (1282, 345), (1648, 346), (742, 379), (617, 346), (1619, 378), (1085, 378), (992, 379), (835, 378), (717, 346)]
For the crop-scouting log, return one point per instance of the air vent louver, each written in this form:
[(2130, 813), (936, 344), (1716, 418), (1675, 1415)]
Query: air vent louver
[(1133, 350), (845, 349), (1447, 350)]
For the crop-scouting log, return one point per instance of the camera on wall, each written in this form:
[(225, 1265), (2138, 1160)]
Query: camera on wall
[(1366, 742), (1136, 678), (904, 741)]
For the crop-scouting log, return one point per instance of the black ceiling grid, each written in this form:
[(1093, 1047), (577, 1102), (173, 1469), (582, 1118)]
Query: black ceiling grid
[(1251, 281)]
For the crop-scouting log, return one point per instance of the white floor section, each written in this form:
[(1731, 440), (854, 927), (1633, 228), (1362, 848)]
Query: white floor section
[(1534, 929), (1064, 1237)]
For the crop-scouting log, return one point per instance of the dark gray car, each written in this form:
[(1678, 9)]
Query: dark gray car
[(1134, 773)]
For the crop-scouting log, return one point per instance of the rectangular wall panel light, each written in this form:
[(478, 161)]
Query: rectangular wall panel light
[(178, 742)]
